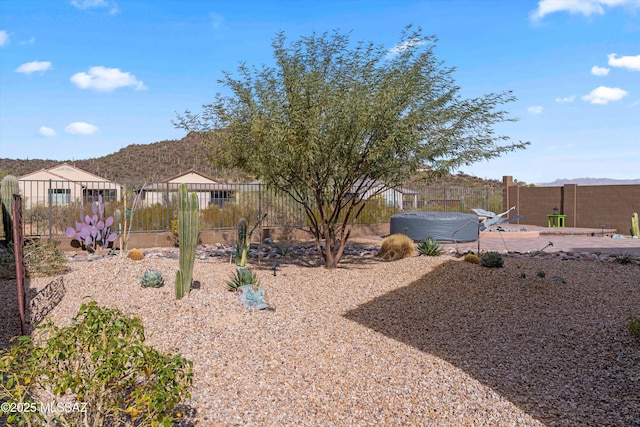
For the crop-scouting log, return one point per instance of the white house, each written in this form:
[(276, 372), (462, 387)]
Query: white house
[(399, 197), (209, 191), (65, 184)]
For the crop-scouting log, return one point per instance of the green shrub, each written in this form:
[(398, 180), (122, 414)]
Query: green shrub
[(429, 247), (491, 260), (634, 326), (623, 259), (396, 246), (101, 365)]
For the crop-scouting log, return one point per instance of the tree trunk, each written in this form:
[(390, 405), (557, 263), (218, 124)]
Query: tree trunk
[(331, 255)]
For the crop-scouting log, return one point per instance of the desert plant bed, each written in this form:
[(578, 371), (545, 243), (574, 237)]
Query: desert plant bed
[(419, 341)]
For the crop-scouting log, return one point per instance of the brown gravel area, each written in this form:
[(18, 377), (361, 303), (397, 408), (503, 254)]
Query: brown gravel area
[(421, 341)]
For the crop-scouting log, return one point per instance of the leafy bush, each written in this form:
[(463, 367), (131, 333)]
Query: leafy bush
[(100, 364), (472, 258), (491, 260), (429, 247), (396, 246)]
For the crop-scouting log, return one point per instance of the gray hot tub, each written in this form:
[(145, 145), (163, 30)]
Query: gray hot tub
[(440, 226)]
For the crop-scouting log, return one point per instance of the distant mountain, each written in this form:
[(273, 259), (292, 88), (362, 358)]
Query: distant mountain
[(139, 163), (589, 181)]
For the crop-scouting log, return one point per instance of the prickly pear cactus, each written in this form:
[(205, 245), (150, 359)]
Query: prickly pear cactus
[(152, 279), (8, 187)]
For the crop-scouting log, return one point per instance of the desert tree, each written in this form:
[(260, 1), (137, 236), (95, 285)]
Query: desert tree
[(333, 123)]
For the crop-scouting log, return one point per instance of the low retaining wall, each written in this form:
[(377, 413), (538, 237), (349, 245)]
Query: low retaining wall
[(228, 236)]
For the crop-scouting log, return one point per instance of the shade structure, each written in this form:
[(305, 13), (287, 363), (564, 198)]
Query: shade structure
[(440, 226)]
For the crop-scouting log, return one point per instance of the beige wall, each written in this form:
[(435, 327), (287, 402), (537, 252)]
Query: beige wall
[(591, 206)]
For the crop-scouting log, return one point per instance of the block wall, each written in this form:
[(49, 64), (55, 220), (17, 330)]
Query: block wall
[(593, 206)]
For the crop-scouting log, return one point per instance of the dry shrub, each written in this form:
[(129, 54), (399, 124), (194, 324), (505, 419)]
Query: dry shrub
[(397, 246), (135, 254)]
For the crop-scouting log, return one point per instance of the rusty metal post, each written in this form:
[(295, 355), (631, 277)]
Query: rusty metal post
[(18, 246)]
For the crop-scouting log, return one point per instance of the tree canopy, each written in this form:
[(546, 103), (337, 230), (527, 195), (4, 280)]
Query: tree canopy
[(333, 123)]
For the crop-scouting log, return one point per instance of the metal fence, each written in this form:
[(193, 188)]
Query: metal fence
[(49, 207)]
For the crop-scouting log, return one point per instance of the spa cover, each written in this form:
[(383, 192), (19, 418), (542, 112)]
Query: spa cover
[(440, 226)]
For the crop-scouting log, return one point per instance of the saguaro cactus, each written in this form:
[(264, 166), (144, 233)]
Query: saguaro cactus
[(8, 187), (634, 225), (188, 235)]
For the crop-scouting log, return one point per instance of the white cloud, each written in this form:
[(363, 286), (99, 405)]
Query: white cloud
[(566, 99), (81, 128), (4, 38), (95, 4), (404, 46), (536, 109), (603, 95), (105, 79), (584, 7), (45, 131), (599, 71), (217, 21), (630, 62), (31, 41), (32, 67)]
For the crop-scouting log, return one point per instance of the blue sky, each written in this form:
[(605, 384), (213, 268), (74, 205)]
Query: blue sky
[(85, 78)]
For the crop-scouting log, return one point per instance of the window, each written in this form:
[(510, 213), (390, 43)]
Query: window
[(59, 196), (219, 197)]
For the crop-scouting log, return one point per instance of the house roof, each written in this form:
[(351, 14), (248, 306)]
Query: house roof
[(59, 173), (187, 173), (173, 186)]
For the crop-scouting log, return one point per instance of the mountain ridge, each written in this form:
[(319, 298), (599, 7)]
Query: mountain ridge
[(589, 181)]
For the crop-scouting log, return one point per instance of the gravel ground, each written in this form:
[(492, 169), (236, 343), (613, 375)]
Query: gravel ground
[(421, 341)]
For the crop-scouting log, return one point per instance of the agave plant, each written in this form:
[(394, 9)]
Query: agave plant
[(152, 279), (429, 247), (242, 277)]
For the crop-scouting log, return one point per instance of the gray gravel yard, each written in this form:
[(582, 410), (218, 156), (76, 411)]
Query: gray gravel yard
[(421, 341)]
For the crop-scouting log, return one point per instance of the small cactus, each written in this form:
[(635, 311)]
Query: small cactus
[(635, 232), (8, 187), (491, 260), (472, 258), (135, 254), (152, 279)]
